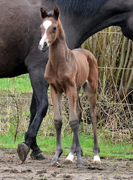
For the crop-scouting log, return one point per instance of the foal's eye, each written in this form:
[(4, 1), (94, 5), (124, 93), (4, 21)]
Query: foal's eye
[(54, 29)]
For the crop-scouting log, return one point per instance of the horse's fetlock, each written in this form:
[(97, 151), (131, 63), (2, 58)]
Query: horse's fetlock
[(96, 149), (60, 152), (58, 124)]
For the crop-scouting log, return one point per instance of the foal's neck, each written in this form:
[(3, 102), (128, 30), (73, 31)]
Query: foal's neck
[(58, 50)]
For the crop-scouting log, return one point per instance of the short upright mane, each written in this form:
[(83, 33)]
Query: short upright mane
[(79, 6)]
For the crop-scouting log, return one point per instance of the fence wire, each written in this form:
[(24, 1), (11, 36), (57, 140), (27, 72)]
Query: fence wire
[(117, 117)]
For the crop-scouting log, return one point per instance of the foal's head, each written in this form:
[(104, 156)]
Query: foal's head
[(49, 28)]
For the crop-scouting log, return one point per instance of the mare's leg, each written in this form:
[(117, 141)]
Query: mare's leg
[(70, 157), (36, 152), (71, 93), (36, 66), (91, 89), (56, 100)]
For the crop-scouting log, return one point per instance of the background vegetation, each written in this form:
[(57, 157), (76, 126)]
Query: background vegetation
[(115, 102)]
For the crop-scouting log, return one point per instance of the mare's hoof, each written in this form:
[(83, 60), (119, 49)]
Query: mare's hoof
[(22, 151), (39, 156)]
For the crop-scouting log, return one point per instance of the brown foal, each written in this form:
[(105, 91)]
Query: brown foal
[(66, 71)]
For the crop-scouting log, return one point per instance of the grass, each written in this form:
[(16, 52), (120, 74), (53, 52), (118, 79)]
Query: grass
[(19, 84), (108, 148), (47, 145)]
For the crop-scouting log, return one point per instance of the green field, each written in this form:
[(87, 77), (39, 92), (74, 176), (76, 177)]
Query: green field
[(109, 146), (48, 145), (19, 84)]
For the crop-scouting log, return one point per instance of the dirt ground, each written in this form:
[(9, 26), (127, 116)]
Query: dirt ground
[(110, 169)]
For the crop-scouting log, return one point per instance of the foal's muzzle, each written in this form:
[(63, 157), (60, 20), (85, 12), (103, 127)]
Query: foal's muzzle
[(44, 48)]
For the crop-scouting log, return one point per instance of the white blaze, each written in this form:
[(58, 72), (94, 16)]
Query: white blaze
[(46, 24)]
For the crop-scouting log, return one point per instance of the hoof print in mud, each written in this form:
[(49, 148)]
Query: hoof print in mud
[(67, 177), (95, 166)]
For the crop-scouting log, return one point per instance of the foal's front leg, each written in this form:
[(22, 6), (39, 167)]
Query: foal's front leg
[(56, 100), (70, 156), (71, 93)]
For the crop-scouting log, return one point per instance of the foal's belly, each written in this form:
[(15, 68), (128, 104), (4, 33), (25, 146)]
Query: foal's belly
[(82, 68)]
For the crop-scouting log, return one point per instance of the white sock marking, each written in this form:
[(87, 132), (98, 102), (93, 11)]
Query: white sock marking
[(97, 158), (70, 157)]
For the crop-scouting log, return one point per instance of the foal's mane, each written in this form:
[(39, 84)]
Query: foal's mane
[(79, 7)]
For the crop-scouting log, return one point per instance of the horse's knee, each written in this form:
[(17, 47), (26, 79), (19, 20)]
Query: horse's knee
[(44, 107), (74, 124), (58, 124)]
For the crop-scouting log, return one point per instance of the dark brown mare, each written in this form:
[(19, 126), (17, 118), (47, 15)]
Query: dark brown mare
[(66, 71), (19, 37)]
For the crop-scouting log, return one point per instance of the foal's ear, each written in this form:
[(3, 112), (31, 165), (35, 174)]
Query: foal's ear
[(43, 13), (56, 12)]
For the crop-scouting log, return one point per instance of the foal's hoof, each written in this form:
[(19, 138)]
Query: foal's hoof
[(22, 151), (97, 162), (55, 164), (68, 161), (96, 159), (39, 156)]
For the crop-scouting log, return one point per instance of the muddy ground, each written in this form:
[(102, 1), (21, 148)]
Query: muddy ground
[(110, 169)]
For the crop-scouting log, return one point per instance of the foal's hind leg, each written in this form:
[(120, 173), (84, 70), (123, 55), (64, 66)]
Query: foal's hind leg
[(71, 93), (56, 100), (92, 94), (70, 157)]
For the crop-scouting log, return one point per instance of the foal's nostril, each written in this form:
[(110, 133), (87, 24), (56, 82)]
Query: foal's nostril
[(45, 44)]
